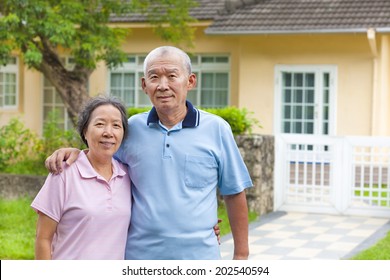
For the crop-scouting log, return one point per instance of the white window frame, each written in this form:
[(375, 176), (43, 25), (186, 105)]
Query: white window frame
[(199, 67), (11, 68), (69, 64), (318, 70), (134, 65)]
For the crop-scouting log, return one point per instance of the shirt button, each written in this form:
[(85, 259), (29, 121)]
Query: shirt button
[(168, 133), (167, 145)]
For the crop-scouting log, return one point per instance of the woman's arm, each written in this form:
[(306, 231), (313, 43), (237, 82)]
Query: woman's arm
[(46, 227)]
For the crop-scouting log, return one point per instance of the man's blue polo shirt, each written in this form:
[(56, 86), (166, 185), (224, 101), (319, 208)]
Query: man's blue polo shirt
[(175, 174)]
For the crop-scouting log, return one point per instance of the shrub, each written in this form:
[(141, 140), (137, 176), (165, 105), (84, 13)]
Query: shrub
[(24, 152), (55, 137), (241, 121), (136, 110), (17, 144)]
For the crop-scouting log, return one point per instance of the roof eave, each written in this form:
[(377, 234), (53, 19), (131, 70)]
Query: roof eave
[(307, 31)]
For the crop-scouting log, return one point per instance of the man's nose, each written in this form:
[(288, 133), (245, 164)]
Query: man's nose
[(162, 84)]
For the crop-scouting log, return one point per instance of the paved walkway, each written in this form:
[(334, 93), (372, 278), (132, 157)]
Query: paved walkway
[(301, 236)]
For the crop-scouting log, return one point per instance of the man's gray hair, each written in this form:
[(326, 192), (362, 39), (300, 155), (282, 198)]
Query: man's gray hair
[(166, 50)]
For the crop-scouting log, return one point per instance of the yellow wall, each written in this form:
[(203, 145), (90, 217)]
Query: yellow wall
[(381, 88), (29, 110), (98, 81), (32, 99), (260, 54), (253, 60)]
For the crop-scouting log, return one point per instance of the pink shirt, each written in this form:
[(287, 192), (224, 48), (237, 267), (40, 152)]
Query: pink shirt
[(93, 215)]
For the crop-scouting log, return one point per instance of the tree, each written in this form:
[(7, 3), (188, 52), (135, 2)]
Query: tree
[(39, 30)]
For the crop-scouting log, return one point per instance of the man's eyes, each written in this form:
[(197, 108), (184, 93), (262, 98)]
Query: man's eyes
[(157, 77)]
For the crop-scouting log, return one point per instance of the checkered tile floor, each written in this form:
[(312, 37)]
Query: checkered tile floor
[(301, 236)]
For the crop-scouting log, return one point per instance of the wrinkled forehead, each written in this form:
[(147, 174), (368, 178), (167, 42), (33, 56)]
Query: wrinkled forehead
[(170, 58), (166, 64)]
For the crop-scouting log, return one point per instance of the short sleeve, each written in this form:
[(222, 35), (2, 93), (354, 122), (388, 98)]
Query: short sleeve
[(51, 198), (234, 175)]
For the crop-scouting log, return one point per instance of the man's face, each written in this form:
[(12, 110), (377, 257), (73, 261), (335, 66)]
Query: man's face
[(167, 83)]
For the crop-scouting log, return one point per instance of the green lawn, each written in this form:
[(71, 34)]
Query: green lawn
[(381, 192), (225, 225), (17, 228), (380, 251), (17, 232)]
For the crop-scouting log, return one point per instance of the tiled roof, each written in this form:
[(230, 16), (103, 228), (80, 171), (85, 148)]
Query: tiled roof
[(301, 16), (287, 16), (206, 10)]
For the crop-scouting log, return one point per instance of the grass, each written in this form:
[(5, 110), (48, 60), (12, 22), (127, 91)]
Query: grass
[(18, 223), (225, 225), (374, 191), (380, 251), (17, 229)]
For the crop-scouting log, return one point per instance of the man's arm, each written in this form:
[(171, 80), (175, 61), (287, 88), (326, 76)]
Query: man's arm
[(54, 162), (237, 210)]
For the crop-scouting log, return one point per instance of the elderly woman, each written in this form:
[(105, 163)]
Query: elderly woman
[(84, 211)]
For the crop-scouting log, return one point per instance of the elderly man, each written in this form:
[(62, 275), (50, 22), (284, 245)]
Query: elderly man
[(177, 157)]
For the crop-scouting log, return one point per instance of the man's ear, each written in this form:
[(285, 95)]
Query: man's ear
[(143, 84), (191, 81)]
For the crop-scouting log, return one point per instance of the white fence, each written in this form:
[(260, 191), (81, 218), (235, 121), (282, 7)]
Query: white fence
[(337, 175)]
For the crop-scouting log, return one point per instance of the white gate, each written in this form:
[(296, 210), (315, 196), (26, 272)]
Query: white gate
[(337, 175)]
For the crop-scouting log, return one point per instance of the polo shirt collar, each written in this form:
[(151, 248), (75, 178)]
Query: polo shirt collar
[(190, 120), (87, 171)]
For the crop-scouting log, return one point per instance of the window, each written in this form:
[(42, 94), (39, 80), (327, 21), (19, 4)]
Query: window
[(305, 99), (9, 84), (53, 107), (125, 82), (52, 101), (212, 88)]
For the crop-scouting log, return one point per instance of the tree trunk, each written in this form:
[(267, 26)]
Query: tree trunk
[(71, 85)]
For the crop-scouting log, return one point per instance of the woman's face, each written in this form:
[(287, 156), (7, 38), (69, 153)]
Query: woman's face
[(104, 132)]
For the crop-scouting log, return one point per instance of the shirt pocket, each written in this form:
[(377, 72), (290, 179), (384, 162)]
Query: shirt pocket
[(200, 171)]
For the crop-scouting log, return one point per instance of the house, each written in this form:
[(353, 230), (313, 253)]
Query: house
[(312, 67), (302, 66)]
